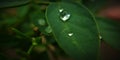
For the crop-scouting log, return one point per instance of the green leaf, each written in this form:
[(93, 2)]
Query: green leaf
[(22, 11), (40, 48), (94, 5), (27, 29), (110, 31), (41, 22), (48, 29), (78, 35), (37, 17), (20, 33), (9, 3), (10, 20), (72, 1)]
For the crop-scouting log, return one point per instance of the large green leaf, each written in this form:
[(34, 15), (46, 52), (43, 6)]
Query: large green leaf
[(10, 3), (110, 31), (22, 11), (94, 5), (71, 0), (78, 35)]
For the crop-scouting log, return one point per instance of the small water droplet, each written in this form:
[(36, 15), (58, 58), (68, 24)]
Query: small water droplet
[(60, 10), (70, 34), (100, 37), (64, 15)]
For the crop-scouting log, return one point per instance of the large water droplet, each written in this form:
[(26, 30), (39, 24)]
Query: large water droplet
[(64, 15), (70, 34)]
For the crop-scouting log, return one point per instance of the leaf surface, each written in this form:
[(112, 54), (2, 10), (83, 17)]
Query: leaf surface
[(83, 43), (11, 3), (110, 31)]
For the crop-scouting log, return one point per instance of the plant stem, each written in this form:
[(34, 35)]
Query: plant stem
[(30, 49)]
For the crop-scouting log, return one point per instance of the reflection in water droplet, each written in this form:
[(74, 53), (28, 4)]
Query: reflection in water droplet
[(70, 34), (100, 37), (60, 10), (64, 15)]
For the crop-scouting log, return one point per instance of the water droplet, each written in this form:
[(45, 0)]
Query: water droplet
[(60, 10), (70, 34), (41, 22), (64, 15), (100, 37)]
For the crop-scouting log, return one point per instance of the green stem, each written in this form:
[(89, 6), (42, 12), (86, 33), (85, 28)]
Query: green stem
[(30, 49), (19, 32)]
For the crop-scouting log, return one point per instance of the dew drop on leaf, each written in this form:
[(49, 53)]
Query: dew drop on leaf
[(64, 15), (70, 34), (60, 10)]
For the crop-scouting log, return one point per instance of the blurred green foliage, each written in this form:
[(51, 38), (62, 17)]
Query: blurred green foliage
[(26, 33)]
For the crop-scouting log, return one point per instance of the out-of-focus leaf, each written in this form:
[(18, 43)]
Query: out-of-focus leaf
[(75, 32), (48, 29), (110, 31), (39, 48), (11, 3), (22, 10), (35, 16), (73, 1), (19, 33), (8, 41), (10, 20), (26, 28), (38, 40), (41, 22), (41, 56), (94, 5)]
